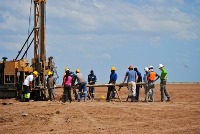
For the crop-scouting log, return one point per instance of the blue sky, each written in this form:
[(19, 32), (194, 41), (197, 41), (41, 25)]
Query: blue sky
[(99, 34)]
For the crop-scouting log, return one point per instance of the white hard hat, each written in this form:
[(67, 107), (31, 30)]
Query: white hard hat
[(161, 65), (150, 67), (146, 69)]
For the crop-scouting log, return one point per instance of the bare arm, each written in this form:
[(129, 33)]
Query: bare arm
[(125, 78)]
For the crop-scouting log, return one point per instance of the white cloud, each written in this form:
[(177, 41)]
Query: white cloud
[(155, 41), (82, 30), (98, 4), (120, 16), (186, 35), (10, 22), (105, 56)]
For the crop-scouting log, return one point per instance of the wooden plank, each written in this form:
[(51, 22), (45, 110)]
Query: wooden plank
[(118, 84)]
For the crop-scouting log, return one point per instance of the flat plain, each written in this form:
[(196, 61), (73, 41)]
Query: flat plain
[(179, 116)]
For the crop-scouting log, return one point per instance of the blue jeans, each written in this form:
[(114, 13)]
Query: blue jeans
[(51, 93), (82, 88)]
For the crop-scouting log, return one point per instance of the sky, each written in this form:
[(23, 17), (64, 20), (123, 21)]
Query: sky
[(98, 34)]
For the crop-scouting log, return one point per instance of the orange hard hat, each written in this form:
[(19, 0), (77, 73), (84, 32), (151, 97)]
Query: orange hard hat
[(130, 67)]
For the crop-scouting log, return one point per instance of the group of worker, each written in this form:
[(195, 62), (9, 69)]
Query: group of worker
[(132, 76), (69, 80), (28, 85)]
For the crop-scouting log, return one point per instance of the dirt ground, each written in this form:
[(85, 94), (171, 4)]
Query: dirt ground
[(180, 116)]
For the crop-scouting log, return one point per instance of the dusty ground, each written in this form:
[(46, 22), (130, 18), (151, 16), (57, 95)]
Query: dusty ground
[(180, 116)]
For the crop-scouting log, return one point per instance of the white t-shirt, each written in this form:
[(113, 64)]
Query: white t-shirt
[(28, 79)]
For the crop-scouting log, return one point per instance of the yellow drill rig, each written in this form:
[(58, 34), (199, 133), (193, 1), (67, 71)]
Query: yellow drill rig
[(13, 73)]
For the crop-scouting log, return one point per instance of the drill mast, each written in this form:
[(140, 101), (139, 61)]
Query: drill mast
[(39, 60)]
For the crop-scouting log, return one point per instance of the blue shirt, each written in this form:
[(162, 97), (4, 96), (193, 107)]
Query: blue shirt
[(139, 76), (113, 77), (131, 76)]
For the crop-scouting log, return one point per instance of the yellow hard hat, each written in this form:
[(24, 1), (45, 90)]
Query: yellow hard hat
[(35, 72), (49, 73), (113, 68), (67, 69), (78, 70)]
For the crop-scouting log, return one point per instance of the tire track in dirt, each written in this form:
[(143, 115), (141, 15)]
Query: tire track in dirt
[(98, 126), (58, 120), (179, 129)]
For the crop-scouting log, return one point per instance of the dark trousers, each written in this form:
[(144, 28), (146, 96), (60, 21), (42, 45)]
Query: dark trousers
[(91, 92), (67, 93), (137, 92), (26, 92), (111, 89)]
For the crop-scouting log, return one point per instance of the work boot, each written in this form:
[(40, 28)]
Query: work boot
[(132, 98), (163, 100), (107, 100), (168, 99)]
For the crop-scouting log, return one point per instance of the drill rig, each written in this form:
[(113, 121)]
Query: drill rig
[(13, 73)]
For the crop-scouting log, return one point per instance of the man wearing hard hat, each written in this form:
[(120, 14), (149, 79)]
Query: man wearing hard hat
[(82, 85), (113, 79), (27, 85), (152, 77), (50, 85), (163, 81), (131, 77)]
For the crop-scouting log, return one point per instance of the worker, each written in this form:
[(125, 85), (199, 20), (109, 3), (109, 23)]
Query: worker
[(73, 83), (152, 77), (82, 85), (139, 79), (66, 69), (131, 77), (64, 96), (67, 82), (51, 85), (27, 85), (111, 89), (163, 81), (91, 81), (145, 80), (73, 75)]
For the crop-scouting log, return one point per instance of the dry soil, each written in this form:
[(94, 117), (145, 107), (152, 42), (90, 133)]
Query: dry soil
[(180, 116)]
